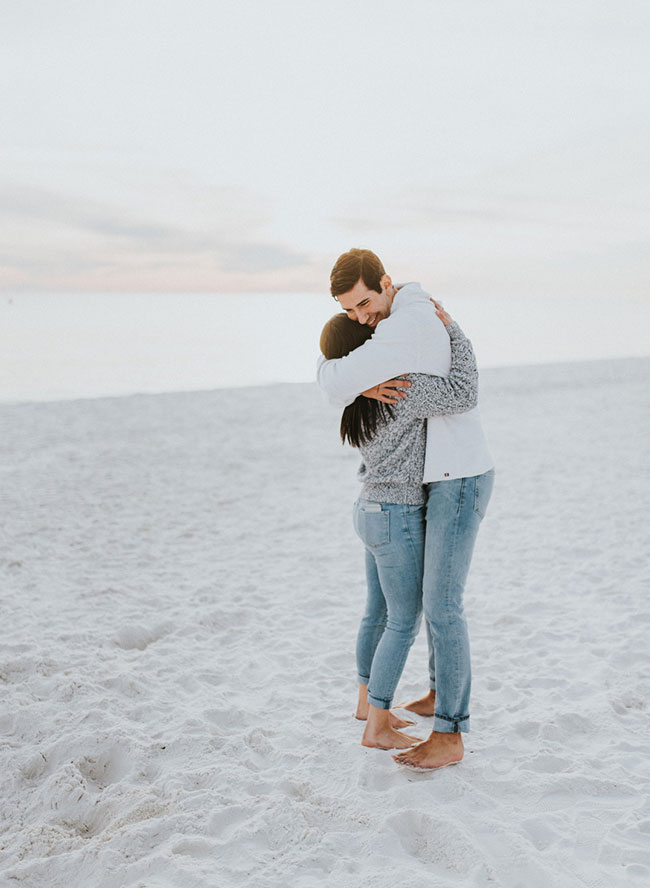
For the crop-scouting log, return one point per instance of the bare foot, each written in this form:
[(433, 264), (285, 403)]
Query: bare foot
[(387, 738), (438, 751), (395, 721), (380, 734), (423, 706), (362, 711)]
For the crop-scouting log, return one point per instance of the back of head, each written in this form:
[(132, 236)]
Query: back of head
[(341, 335), (364, 416), (353, 266)]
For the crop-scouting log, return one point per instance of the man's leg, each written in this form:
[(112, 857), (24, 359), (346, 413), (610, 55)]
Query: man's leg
[(454, 512)]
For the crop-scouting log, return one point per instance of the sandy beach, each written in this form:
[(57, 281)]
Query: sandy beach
[(181, 589)]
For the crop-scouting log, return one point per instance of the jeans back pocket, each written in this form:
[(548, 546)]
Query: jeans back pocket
[(373, 527)]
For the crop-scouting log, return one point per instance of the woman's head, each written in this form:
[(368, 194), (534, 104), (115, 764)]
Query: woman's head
[(360, 420), (341, 335)]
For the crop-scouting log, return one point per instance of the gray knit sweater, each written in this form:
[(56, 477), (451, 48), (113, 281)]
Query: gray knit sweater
[(393, 461)]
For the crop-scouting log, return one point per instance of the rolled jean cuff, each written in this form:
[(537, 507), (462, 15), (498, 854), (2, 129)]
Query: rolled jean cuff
[(363, 679), (444, 724), (378, 702)]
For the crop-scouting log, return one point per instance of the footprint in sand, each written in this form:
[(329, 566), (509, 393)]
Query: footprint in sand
[(195, 847), (222, 824), (139, 637)]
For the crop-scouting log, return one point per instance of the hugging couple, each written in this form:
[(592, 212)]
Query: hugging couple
[(427, 478)]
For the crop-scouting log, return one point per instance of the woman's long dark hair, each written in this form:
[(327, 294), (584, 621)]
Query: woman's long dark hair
[(359, 422)]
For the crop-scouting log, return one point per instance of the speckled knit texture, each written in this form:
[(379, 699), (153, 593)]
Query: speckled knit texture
[(393, 462)]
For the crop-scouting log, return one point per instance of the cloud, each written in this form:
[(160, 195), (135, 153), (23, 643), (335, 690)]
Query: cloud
[(426, 208), (44, 206), (192, 233), (585, 186), (414, 211), (255, 258)]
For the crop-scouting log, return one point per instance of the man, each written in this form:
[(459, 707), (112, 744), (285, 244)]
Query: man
[(458, 473)]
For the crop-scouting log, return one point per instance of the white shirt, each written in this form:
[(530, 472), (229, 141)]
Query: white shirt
[(412, 339)]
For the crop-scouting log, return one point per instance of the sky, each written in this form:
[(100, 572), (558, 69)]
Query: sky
[(155, 145)]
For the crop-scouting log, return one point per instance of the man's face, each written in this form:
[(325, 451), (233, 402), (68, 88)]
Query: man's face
[(367, 306)]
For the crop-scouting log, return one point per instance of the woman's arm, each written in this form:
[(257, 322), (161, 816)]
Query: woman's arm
[(437, 395), (443, 396)]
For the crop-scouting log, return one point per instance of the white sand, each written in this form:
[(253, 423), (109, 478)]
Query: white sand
[(181, 591)]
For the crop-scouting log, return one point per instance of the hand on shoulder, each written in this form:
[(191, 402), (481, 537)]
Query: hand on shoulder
[(444, 316)]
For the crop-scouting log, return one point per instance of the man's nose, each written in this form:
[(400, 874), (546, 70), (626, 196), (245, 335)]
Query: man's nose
[(362, 316)]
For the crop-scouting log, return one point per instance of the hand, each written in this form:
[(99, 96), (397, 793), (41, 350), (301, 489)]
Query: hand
[(444, 316), (389, 392)]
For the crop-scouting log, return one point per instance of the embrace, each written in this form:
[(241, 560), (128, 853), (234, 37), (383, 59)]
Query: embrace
[(427, 478)]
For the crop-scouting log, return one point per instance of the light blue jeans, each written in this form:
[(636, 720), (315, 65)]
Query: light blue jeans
[(394, 539), (455, 510)]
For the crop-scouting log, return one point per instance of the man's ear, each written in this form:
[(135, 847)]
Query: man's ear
[(385, 281)]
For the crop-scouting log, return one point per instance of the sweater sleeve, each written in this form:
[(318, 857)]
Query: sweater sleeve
[(444, 396)]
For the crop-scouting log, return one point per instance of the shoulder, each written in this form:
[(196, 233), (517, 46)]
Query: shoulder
[(411, 301), (411, 294), (411, 309)]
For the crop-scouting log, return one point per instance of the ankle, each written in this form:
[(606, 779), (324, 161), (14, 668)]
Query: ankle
[(378, 719), (452, 738)]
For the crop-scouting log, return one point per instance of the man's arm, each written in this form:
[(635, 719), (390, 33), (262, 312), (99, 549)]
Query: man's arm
[(394, 349)]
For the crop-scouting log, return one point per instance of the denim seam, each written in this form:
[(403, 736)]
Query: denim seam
[(477, 497), (411, 541), (460, 496)]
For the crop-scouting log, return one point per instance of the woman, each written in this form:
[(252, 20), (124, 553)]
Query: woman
[(389, 515)]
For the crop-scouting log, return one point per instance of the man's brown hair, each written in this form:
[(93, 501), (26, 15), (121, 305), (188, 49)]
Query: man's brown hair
[(353, 266)]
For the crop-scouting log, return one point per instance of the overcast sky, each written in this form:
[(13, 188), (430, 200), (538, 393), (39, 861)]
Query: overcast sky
[(203, 145)]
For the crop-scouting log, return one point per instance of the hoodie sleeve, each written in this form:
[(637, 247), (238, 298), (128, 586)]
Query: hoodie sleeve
[(392, 351)]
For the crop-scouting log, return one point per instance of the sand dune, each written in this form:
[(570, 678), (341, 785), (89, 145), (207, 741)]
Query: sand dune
[(181, 587)]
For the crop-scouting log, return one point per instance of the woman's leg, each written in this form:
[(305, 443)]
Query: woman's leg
[(394, 537), (372, 624), (370, 632), (425, 705), (399, 568)]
